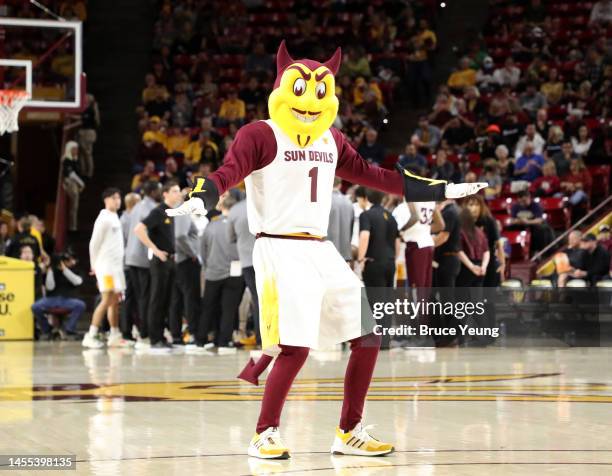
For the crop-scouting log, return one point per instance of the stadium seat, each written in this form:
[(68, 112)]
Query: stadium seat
[(541, 284), (576, 283), (518, 244), (474, 158), (453, 158), (499, 206), (557, 112), (504, 220), (601, 180), (593, 124), (558, 216), (510, 200), (512, 283)]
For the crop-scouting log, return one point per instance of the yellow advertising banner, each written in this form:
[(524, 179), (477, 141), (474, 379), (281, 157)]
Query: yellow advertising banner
[(16, 299)]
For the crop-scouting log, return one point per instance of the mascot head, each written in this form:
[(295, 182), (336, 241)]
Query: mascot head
[(304, 103)]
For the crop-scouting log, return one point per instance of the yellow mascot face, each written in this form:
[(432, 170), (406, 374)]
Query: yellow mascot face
[(304, 103)]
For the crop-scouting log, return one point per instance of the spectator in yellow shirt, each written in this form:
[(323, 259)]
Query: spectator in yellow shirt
[(193, 152), (155, 126), (362, 89), (553, 88), (426, 36), (148, 174), (464, 77), (152, 89), (177, 140), (355, 63), (232, 108)]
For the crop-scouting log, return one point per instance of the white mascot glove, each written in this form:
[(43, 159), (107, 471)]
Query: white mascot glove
[(193, 206), (460, 190)]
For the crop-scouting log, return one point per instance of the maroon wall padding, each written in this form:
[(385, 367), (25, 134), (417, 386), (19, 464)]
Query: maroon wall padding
[(37, 166)]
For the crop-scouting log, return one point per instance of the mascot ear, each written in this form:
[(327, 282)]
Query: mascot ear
[(334, 62), (283, 59)]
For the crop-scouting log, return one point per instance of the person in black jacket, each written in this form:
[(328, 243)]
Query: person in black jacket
[(156, 232), (378, 242), (447, 246), (379, 245), (370, 149), (596, 260)]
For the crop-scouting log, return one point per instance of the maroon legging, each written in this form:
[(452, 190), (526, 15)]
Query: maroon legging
[(364, 351)]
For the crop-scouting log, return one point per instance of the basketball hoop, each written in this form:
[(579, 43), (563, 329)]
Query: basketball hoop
[(11, 102)]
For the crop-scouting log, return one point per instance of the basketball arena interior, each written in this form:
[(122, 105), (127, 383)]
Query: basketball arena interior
[(380, 229)]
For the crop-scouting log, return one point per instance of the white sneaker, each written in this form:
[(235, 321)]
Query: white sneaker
[(142, 344), (92, 341), (359, 442), (268, 445), (193, 206), (135, 332), (197, 350), (117, 340), (226, 350)]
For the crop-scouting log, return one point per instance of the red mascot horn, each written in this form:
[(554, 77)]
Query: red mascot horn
[(334, 62), (283, 59)]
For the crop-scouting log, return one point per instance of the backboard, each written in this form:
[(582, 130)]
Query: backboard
[(44, 58)]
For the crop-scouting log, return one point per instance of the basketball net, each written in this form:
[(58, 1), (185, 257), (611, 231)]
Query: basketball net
[(11, 102)]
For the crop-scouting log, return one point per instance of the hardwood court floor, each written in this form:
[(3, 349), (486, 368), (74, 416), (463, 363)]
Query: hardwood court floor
[(449, 412)]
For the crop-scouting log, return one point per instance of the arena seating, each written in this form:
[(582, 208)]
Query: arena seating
[(540, 37), (226, 52)]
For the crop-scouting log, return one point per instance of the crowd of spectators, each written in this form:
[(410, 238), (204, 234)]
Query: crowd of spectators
[(213, 69), (528, 111)]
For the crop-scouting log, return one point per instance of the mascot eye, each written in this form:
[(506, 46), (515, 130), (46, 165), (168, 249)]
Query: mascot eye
[(299, 87), (321, 89)]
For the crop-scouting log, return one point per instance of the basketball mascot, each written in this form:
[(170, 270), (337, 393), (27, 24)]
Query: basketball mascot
[(308, 295)]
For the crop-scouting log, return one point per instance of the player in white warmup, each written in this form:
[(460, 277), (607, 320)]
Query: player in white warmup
[(106, 258)]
